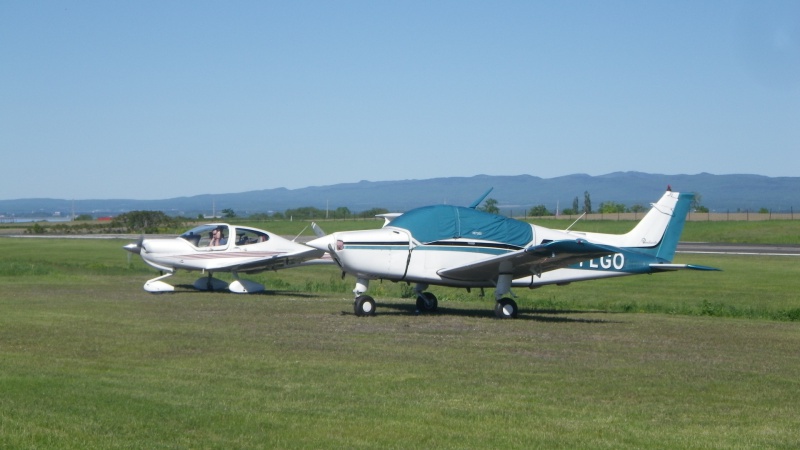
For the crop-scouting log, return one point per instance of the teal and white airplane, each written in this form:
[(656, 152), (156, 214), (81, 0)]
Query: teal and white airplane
[(456, 246)]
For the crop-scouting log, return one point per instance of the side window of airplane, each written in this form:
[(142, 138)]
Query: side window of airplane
[(247, 237)]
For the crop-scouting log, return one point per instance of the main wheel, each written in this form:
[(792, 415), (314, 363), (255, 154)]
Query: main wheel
[(505, 309), (364, 306), (427, 302)]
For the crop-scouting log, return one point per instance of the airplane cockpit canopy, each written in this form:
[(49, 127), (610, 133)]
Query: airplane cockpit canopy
[(439, 222), (200, 236)]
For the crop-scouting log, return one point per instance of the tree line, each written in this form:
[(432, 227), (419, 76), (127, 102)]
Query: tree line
[(156, 221), (607, 207)]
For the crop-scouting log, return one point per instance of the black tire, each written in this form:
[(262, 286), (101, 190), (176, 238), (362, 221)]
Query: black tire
[(506, 309), (364, 306), (427, 302)]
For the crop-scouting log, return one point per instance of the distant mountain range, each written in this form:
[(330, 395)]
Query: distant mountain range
[(719, 193)]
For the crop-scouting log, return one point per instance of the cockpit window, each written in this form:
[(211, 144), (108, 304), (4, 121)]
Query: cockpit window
[(246, 236), (207, 236)]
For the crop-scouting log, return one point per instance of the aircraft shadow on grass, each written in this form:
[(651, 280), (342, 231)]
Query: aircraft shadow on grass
[(535, 315), (189, 289), (397, 309)]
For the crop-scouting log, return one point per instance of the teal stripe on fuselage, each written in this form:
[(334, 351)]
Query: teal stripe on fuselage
[(403, 248), (440, 248), (463, 249)]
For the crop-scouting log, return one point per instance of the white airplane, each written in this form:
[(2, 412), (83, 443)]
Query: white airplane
[(455, 246), (220, 247)]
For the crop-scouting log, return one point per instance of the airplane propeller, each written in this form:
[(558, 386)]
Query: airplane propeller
[(335, 257), (135, 247), (318, 230)]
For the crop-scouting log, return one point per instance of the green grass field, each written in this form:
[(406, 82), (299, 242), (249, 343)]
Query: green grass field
[(88, 359)]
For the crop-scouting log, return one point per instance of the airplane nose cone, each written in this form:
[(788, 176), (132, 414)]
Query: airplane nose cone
[(133, 248), (324, 243)]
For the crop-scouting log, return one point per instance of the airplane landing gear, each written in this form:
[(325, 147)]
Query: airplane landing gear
[(505, 308), (426, 302), (210, 283), (364, 305), (157, 286), (240, 286)]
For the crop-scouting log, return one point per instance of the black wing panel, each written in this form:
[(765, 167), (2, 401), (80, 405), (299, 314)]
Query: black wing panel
[(533, 260)]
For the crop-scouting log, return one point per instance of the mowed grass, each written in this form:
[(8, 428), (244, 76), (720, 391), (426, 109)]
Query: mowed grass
[(90, 360)]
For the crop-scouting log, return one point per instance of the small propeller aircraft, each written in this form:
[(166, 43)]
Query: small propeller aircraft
[(220, 247), (456, 246)]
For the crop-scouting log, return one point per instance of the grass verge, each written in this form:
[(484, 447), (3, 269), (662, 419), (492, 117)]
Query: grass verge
[(90, 360)]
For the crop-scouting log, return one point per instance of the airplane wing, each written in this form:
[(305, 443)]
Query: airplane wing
[(283, 261), (533, 260)]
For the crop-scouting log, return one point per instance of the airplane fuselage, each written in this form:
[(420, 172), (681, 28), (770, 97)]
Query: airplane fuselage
[(172, 254), (391, 254), (454, 246), (220, 247)]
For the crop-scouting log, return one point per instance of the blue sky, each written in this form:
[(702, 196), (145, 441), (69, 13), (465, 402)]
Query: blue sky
[(152, 100)]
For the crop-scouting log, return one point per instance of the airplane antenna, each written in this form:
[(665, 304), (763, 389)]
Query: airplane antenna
[(298, 234), (576, 221), (477, 202)]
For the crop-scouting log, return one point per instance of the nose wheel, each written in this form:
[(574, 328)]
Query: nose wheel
[(364, 305)]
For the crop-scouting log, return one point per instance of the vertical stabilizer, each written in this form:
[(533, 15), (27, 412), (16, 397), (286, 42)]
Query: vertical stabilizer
[(659, 231)]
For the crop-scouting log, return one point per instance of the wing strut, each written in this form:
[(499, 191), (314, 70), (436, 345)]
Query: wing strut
[(576, 221)]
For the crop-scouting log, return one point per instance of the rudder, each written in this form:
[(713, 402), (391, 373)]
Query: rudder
[(657, 234), (669, 243)]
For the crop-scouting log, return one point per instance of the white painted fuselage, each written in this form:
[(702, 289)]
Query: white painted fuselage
[(461, 247), (222, 247)]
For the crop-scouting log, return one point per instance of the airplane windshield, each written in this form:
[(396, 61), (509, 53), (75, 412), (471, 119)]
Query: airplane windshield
[(207, 235)]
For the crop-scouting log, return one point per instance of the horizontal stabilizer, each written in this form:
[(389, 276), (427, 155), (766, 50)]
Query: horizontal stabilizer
[(671, 267)]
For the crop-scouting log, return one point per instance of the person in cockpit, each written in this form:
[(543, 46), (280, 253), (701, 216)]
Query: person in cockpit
[(216, 236)]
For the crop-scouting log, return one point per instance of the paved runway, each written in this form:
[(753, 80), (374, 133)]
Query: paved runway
[(739, 249)]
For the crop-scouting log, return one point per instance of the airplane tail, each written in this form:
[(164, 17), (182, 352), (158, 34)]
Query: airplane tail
[(658, 232)]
